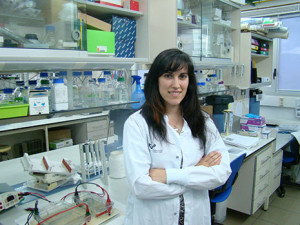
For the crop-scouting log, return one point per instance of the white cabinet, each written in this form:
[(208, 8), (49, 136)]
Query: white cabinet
[(263, 63), (195, 31), (255, 184)]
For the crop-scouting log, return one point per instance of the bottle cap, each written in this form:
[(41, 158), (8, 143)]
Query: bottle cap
[(101, 80), (58, 81), (121, 79), (49, 27), (7, 91), (32, 82), (45, 82), (76, 73), (87, 73), (43, 74), (62, 73), (20, 83)]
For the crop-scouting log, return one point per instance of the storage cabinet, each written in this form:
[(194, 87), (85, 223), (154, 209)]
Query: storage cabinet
[(263, 64), (209, 31), (253, 187), (25, 59)]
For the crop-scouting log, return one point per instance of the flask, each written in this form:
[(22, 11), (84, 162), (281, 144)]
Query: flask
[(59, 95), (122, 90), (49, 37), (138, 94), (77, 89)]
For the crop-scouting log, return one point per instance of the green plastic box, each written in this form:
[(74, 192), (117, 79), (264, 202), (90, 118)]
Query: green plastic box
[(101, 42), (13, 110)]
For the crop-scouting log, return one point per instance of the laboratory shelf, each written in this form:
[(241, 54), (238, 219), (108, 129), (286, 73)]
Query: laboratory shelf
[(14, 60), (257, 85), (96, 9), (186, 25), (259, 55)]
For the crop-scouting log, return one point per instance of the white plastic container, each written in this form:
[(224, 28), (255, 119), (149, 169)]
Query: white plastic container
[(60, 95), (116, 165)]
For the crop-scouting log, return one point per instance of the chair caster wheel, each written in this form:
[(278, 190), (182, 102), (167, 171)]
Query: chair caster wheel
[(281, 195)]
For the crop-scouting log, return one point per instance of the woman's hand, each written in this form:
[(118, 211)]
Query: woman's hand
[(212, 159), (158, 175)]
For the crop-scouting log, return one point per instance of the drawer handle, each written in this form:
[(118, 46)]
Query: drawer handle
[(262, 176), (261, 190), (263, 161)]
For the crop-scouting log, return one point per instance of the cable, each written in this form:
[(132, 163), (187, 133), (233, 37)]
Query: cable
[(100, 195), (108, 201), (34, 194), (87, 214)]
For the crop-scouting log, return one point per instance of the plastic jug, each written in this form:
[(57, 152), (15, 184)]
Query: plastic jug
[(138, 94)]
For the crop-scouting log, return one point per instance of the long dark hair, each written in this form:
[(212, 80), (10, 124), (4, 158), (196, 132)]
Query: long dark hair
[(153, 109)]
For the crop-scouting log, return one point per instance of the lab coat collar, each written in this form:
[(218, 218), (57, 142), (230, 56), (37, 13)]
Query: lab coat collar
[(171, 133)]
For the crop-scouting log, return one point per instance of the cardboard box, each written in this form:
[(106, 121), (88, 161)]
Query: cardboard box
[(51, 10), (38, 103), (101, 42), (125, 36), (125, 48), (94, 23), (116, 3), (65, 142), (130, 4), (59, 134), (208, 109)]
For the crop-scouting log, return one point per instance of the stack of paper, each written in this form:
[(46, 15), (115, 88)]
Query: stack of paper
[(241, 141)]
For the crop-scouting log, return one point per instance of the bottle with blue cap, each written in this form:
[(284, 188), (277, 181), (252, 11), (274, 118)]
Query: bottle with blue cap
[(101, 90), (109, 85), (59, 95), (138, 95)]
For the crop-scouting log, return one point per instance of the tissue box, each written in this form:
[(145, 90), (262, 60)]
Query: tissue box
[(252, 121)]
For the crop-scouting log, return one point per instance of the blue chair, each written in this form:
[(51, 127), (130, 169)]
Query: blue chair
[(221, 193), (289, 159)]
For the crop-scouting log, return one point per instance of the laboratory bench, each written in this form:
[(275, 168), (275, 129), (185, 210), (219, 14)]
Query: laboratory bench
[(258, 178), (12, 172)]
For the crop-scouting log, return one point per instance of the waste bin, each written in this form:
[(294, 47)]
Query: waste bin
[(219, 103)]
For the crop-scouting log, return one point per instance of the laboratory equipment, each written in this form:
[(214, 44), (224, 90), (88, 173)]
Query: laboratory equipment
[(77, 90), (93, 160), (48, 174), (49, 37), (8, 197)]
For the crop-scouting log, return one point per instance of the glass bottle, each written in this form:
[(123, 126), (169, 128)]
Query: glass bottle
[(77, 89), (101, 90), (87, 76), (122, 90), (49, 37), (8, 96)]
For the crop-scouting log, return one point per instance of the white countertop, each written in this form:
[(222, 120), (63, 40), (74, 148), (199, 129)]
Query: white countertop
[(43, 122)]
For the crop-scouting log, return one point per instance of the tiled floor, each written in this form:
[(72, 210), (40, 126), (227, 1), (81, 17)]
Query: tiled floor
[(282, 211)]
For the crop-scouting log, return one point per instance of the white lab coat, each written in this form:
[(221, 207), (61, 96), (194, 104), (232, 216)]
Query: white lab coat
[(154, 203)]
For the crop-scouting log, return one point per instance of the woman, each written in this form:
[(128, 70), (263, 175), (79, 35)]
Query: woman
[(173, 152)]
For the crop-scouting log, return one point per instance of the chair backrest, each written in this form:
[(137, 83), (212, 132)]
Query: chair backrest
[(294, 146), (235, 166)]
